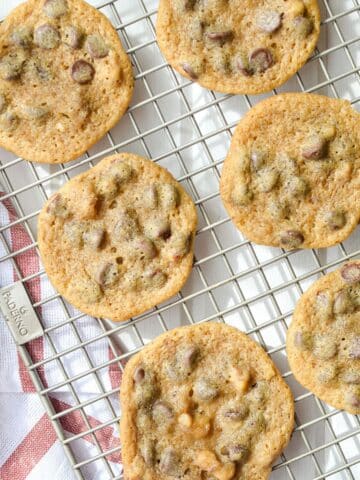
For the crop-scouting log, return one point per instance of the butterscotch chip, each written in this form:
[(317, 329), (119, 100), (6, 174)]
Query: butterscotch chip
[(291, 177), (95, 248), (238, 46), (65, 57), (324, 350), (196, 425)]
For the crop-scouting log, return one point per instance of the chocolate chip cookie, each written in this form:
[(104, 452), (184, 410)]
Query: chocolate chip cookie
[(323, 341), (238, 46), (203, 402), (65, 79), (118, 239), (292, 176)]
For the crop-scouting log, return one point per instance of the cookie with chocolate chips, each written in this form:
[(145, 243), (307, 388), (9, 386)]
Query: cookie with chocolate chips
[(118, 239), (238, 46), (203, 402), (323, 341), (292, 176), (65, 79)]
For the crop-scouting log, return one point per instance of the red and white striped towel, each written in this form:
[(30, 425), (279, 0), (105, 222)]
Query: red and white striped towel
[(29, 448)]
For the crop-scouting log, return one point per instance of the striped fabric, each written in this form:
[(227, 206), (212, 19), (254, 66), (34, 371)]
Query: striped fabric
[(29, 448)]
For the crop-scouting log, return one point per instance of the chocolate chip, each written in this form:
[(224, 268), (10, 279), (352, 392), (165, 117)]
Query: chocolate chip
[(9, 120), (72, 36), (235, 452), (57, 206), (73, 232), (354, 350), (43, 73), (149, 197), (352, 399), (169, 196), (244, 67), (261, 59), (323, 306), (278, 210), (255, 423), (94, 237), (126, 228), (303, 341), (335, 220), (351, 377), (154, 279), (351, 273), (325, 347), (205, 390), (3, 103), (241, 194), (237, 413), (96, 46), (139, 374), (315, 148), (343, 302), (190, 357), (185, 362), (268, 21), (257, 158), (46, 36), (145, 248), (22, 37), (120, 170), (291, 239), (190, 70), (179, 245), (183, 6), (158, 228), (220, 61), (326, 375), (11, 65), (106, 274), (296, 186), (162, 412), (220, 37), (35, 113), (55, 8), (169, 462), (82, 72), (147, 450), (267, 179), (303, 26), (146, 388)]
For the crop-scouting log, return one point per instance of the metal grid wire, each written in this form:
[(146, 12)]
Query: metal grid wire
[(188, 130)]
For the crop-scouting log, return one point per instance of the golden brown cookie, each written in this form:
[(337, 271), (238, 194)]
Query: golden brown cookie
[(65, 79), (238, 46), (323, 341), (118, 239), (292, 176), (203, 402)]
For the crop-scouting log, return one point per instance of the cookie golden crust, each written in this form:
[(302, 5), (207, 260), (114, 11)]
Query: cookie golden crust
[(65, 79), (323, 341), (203, 402), (291, 178), (118, 239), (238, 46)]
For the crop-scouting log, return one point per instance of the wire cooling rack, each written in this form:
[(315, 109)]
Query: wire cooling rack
[(188, 130)]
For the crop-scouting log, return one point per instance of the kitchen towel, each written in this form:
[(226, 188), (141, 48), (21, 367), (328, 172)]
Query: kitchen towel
[(29, 447)]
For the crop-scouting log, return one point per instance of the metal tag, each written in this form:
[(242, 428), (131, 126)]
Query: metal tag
[(19, 313)]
